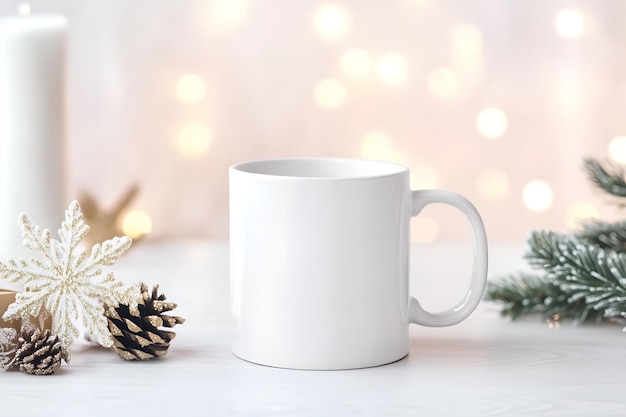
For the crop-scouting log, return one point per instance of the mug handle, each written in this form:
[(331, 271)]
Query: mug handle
[(466, 306)]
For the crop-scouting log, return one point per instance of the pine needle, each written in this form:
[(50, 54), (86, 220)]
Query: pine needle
[(606, 235), (609, 179), (582, 276), (526, 294)]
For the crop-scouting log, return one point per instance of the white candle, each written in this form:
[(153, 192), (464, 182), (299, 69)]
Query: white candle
[(32, 126)]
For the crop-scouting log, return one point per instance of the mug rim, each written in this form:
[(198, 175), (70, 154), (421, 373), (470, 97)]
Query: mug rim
[(308, 168)]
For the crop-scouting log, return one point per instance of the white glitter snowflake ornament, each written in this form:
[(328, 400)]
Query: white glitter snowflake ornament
[(66, 282), (8, 345)]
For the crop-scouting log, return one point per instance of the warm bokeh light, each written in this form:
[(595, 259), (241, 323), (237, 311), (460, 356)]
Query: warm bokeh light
[(331, 22), (537, 195), (356, 62), (466, 47), (24, 9), (570, 23), (136, 224), (424, 229), (190, 88), (423, 177), (226, 15), (475, 101), (467, 39), (491, 123), (443, 82), (391, 69), (581, 212), (377, 145), (568, 93), (493, 184), (422, 4), (617, 149), (193, 139), (330, 93)]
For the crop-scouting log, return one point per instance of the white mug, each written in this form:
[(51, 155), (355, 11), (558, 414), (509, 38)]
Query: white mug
[(320, 262)]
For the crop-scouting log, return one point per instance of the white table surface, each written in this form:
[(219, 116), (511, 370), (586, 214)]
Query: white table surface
[(485, 366)]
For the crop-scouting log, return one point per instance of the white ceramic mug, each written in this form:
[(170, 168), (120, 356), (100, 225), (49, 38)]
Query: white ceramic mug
[(320, 262)]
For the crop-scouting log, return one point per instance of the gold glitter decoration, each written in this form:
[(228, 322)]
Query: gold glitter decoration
[(38, 352), (43, 321), (8, 346), (105, 223), (66, 281), (137, 331)]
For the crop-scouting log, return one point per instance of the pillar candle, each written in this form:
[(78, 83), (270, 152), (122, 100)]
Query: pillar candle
[(32, 126)]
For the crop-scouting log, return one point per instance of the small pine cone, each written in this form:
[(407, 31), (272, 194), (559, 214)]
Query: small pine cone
[(136, 334), (38, 353)]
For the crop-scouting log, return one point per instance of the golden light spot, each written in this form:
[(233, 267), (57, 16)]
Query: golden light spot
[(356, 62), (424, 229), (330, 93), (377, 145), (225, 15), (190, 88), (467, 39), (391, 69), (422, 3), (537, 195), (493, 184), (570, 23), (553, 322), (466, 47), (400, 157), (581, 211), (568, 92), (331, 22), (24, 9), (443, 82), (617, 149), (193, 139), (136, 224), (491, 123), (423, 177)]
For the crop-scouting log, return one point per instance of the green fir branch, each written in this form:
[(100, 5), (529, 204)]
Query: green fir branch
[(610, 180), (582, 275), (583, 271), (527, 294), (580, 281), (606, 235)]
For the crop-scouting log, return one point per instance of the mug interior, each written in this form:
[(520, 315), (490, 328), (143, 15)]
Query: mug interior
[(321, 168)]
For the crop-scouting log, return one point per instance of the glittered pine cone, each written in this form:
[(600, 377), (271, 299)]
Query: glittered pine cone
[(136, 333), (38, 353)]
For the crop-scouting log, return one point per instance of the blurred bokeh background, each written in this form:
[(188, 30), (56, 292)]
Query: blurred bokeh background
[(497, 100)]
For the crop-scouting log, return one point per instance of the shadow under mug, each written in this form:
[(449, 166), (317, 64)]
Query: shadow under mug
[(320, 262)]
